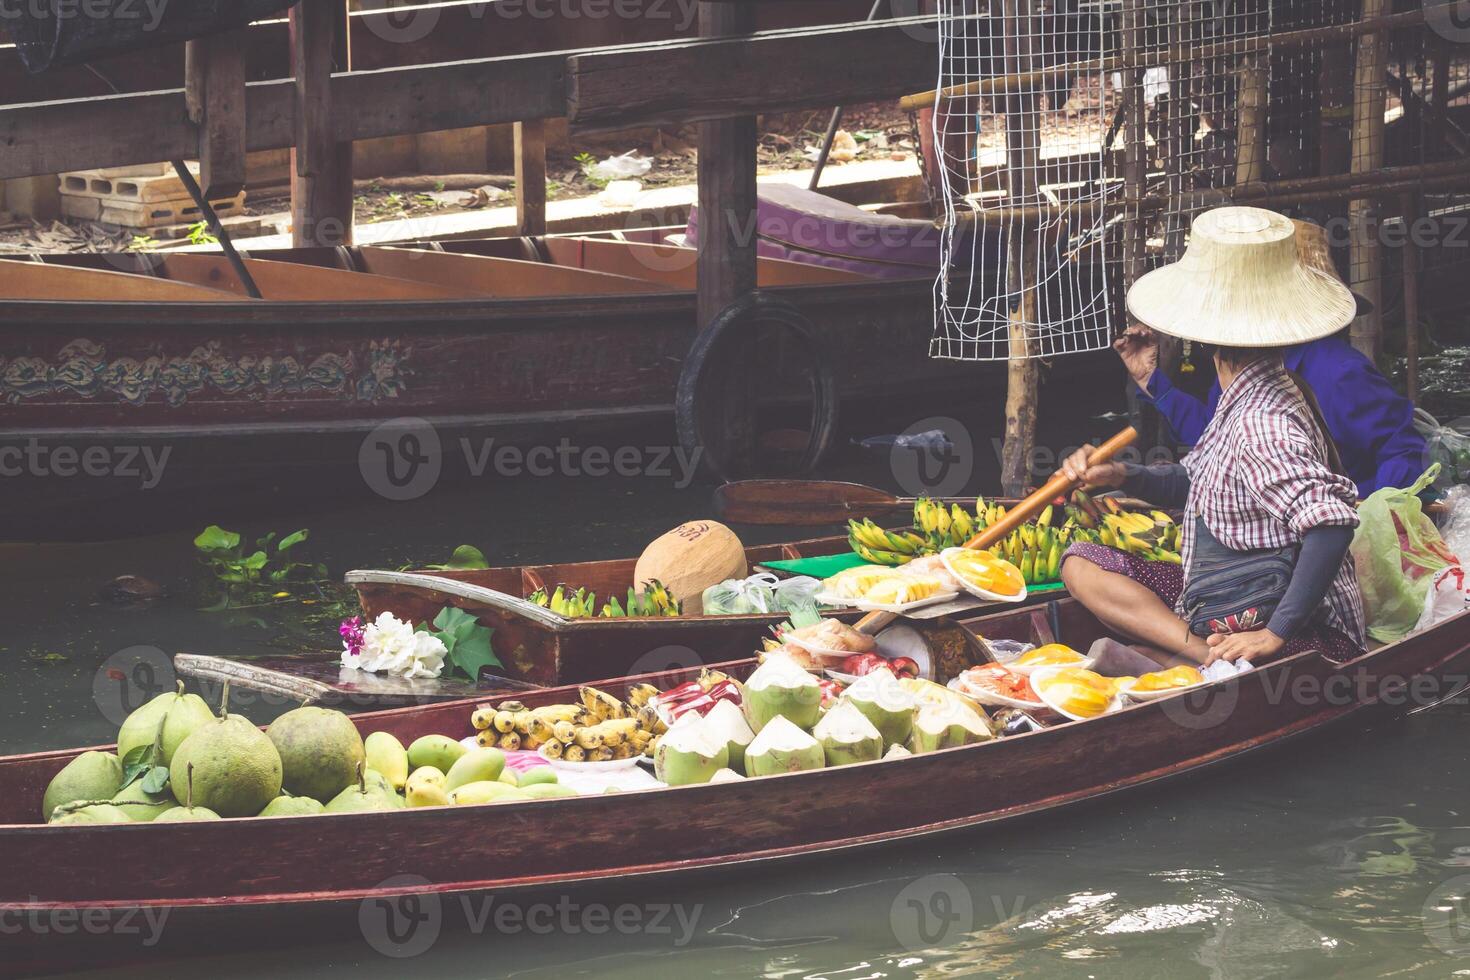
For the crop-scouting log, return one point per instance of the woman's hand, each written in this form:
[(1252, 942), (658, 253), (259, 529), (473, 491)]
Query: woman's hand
[(1231, 647), (1139, 349), (1109, 475)]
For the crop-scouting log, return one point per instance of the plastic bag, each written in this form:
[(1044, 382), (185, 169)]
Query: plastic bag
[(1397, 551), (1447, 597), (1449, 446), (1455, 528), (630, 164), (761, 593)]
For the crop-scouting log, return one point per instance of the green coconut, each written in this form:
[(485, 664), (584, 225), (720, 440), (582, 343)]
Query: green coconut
[(385, 754), (729, 724), (234, 768), (727, 776), (90, 776), (179, 714), (782, 747), (847, 736), (885, 703), (142, 806), (896, 752), (946, 725), (94, 814), (292, 806), (320, 752), (781, 688), (690, 752)]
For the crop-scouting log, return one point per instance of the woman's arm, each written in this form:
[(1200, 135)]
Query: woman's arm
[(1164, 485)]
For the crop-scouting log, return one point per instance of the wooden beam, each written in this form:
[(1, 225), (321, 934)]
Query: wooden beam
[(214, 88), (321, 173), (771, 71), (1369, 102), (530, 153)]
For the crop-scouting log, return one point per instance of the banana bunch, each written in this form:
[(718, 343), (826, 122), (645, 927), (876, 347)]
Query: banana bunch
[(943, 527), (1036, 549), (598, 728), (654, 600), (880, 547), (1143, 534), (988, 512)]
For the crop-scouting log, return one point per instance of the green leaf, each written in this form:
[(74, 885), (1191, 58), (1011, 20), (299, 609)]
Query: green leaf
[(466, 640), (465, 558), (292, 540), (156, 781), (216, 538), (256, 561), (136, 763)]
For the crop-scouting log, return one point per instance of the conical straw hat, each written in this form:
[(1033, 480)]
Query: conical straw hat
[(1241, 283)]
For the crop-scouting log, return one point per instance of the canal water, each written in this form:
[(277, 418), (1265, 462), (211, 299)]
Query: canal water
[(1345, 855)]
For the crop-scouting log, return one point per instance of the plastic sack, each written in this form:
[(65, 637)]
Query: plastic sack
[(761, 593), (1449, 446), (630, 164), (1397, 551), (1455, 527), (1447, 597)]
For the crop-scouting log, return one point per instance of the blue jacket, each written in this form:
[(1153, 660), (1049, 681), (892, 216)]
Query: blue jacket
[(1372, 424)]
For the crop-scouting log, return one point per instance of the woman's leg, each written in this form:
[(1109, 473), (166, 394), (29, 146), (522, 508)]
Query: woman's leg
[(1133, 610)]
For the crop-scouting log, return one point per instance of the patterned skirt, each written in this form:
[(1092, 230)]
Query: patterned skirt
[(1166, 581)]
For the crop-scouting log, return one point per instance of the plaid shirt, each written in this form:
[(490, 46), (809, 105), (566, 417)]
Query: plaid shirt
[(1260, 479)]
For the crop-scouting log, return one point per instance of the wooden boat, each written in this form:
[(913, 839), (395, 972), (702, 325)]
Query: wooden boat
[(297, 864)]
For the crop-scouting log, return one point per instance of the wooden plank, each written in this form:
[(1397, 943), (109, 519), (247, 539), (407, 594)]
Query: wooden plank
[(770, 71), (214, 89), (288, 282), (505, 278), (24, 280), (321, 175), (530, 154), (674, 265)]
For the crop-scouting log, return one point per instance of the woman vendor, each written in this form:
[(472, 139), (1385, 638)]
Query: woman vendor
[(1268, 515)]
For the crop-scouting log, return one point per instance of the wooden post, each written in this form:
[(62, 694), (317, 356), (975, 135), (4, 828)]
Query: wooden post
[(1135, 146), (321, 182), (530, 151), (214, 91), (1250, 141), (1369, 99), (727, 231), (1023, 157), (1410, 211)]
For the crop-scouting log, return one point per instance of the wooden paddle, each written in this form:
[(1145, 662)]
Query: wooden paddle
[(809, 502), (1019, 514)]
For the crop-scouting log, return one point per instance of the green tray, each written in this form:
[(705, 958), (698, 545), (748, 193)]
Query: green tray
[(825, 566)]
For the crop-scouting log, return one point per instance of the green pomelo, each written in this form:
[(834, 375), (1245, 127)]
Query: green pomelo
[(97, 813), (186, 814), (729, 725), (388, 756), (142, 806), (320, 751), (472, 794), (439, 751), (781, 688), (690, 752), (236, 769), (179, 713), (847, 736), (475, 766), (90, 776), (292, 806), (885, 703), (361, 797), (782, 747), (541, 775)]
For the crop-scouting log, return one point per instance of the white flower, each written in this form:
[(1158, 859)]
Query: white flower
[(390, 646)]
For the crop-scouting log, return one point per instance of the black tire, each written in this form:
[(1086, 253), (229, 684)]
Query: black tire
[(695, 406)]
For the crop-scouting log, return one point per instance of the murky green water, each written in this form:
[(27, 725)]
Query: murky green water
[(1327, 858)]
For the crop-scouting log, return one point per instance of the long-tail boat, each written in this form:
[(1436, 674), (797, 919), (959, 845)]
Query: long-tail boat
[(289, 866)]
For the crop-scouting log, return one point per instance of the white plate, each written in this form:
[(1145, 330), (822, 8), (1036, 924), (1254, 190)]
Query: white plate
[(1030, 670), (981, 593), (818, 651), (1133, 695), (1039, 678), (612, 765), (891, 607), (994, 699)]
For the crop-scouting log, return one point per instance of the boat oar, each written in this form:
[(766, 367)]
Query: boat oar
[(1020, 514), (809, 502)]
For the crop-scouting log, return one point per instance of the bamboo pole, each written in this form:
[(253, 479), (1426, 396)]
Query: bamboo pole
[(1168, 54), (1369, 101)]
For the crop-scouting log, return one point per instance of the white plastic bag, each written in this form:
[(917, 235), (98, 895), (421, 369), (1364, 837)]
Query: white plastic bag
[(1449, 445), (630, 164), (1448, 597), (1455, 526)]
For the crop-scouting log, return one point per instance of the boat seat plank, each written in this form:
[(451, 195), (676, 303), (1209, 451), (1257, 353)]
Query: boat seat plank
[(675, 266), (499, 277), (22, 280), (292, 283)]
